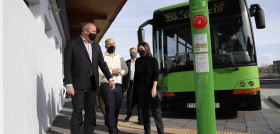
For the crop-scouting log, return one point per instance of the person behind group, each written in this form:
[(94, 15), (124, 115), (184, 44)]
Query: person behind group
[(145, 87), (112, 98), (127, 85), (82, 57)]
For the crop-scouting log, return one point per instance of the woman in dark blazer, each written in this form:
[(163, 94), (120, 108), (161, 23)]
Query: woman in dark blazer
[(145, 87)]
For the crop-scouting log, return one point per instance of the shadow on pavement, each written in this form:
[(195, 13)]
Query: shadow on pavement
[(62, 121)]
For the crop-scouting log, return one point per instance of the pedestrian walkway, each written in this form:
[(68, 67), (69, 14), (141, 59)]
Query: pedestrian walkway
[(262, 122), (270, 95)]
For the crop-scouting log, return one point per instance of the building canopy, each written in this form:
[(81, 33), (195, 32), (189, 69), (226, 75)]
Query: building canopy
[(101, 12)]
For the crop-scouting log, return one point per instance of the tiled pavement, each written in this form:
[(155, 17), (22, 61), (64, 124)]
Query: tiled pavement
[(266, 121)]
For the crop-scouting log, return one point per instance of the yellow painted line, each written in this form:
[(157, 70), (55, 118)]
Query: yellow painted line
[(135, 127)]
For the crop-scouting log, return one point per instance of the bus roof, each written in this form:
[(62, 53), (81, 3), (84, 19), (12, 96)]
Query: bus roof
[(171, 7)]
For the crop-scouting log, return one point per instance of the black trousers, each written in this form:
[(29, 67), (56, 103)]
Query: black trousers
[(83, 99), (144, 98), (130, 103), (112, 100)]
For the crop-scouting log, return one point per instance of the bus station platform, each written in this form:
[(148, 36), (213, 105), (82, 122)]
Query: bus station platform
[(265, 121)]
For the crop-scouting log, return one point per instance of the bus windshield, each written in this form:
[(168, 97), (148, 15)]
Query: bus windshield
[(231, 40)]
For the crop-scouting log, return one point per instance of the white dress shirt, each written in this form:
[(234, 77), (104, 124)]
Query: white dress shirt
[(113, 62), (88, 47), (132, 69)]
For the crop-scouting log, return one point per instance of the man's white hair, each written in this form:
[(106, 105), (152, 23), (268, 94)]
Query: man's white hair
[(132, 48), (85, 27)]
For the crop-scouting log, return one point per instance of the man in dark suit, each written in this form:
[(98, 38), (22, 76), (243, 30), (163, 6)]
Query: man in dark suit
[(127, 86), (82, 57)]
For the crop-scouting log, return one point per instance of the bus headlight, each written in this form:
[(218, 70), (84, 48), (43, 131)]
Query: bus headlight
[(251, 83), (242, 84)]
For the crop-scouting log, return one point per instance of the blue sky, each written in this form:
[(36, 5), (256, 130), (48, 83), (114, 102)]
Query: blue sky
[(134, 13)]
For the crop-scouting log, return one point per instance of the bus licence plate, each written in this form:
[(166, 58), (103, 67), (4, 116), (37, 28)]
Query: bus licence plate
[(193, 105)]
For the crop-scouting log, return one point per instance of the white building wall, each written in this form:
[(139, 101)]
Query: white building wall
[(1, 69), (32, 68)]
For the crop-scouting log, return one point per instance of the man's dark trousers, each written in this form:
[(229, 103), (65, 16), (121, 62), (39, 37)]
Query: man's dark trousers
[(83, 99), (130, 104), (112, 100)]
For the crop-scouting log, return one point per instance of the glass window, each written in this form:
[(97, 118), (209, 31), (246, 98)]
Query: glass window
[(231, 40), (171, 45), (177, 48)]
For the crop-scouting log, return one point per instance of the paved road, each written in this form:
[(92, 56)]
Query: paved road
[(270, 83)]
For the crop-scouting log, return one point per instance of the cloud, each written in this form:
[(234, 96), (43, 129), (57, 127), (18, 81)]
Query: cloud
[(269, 35), (267, 59), (266, 54)]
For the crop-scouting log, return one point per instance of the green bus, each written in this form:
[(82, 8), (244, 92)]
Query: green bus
[(236, 77)]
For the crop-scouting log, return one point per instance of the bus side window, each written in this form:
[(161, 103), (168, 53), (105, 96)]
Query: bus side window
[(190, 57)]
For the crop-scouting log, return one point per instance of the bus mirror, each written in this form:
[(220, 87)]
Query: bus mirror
[(259, 18), (141, 31), (141, 35), (258, 13)]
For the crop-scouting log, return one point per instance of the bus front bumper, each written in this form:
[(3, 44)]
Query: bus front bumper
[(226, 99)]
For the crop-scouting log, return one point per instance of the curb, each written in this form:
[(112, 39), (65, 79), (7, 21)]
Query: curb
[(263, 96), (273, 100)]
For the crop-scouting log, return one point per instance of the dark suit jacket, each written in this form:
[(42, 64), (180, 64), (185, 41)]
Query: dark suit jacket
[(126, 78), (77, 65)]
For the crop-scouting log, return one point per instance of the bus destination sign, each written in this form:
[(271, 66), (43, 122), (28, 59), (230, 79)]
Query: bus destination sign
[(184, 12)]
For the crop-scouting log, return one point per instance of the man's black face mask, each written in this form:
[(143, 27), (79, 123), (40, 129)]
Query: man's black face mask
[(91, 36), (111, 49)]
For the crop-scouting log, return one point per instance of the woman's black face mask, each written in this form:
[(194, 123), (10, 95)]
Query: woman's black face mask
[(142, 52)]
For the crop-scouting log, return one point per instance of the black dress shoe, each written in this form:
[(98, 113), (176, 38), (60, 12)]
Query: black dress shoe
[(147, 131), (118, 131), (105, 123), (140, 122), (126, 119)]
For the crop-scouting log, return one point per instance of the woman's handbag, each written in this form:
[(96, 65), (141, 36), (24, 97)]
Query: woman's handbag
[(156, 101)]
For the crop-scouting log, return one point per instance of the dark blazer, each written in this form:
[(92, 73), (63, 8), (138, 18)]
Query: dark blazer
[(126, 78), (77, 65)]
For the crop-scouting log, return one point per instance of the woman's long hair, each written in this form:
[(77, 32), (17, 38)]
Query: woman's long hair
[(147, 48)]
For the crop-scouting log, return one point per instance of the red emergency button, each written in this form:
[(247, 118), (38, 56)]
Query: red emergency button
[(199, 21)]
